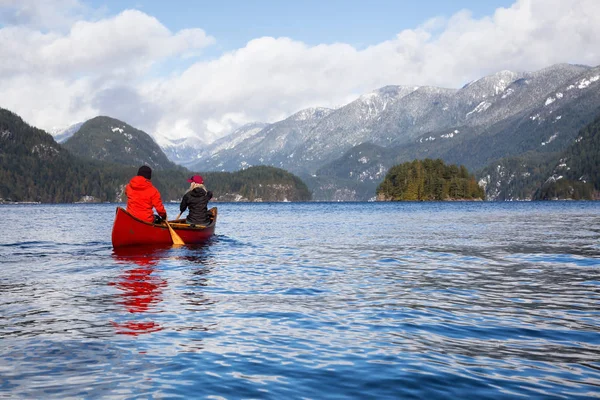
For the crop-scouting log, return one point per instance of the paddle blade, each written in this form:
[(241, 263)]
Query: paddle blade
[(174, 236)]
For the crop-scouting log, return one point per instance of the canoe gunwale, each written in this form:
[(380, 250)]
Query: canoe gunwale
[(177, 224)]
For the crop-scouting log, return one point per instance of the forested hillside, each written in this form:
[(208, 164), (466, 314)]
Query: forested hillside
[(426, 180), (34, 168), (576, 175), (260, 183), (570, 174)]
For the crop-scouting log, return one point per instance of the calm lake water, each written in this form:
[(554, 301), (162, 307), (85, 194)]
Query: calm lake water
[(306, 300)]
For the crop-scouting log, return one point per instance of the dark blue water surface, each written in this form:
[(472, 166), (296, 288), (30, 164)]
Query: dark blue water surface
[(306, 300)]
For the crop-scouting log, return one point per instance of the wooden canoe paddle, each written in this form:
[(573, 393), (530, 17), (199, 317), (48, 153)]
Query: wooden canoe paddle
[(174, 236)]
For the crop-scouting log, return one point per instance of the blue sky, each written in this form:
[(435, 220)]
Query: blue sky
[(358, 22)]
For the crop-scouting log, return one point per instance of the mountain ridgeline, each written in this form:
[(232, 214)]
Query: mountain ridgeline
[(35, 168), (108, 139), (429, 180), (343, 153)]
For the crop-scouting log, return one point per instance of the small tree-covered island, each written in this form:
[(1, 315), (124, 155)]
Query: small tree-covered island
[(429, 180)]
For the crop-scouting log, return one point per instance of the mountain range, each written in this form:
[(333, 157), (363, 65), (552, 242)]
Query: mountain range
[(343, 153), (95, 163)]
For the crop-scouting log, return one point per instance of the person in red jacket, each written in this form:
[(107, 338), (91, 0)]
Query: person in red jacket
[(142, 196)]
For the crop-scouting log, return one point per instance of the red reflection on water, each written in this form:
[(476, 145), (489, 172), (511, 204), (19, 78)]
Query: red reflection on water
[(140, 288), (135, 328)]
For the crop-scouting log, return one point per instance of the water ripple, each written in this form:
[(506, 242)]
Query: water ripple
[(366, 301)]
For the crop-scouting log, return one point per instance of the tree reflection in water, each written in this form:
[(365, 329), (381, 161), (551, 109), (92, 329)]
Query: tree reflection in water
[(140, 288)]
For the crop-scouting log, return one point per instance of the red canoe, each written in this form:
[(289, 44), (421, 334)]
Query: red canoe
[(131, 231)]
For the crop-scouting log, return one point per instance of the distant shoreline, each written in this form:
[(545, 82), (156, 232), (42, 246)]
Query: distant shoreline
[(318, 201)]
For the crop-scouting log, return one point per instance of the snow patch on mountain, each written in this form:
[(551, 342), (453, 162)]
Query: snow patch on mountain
[(584, 83), (507, 93), (44, 150), (114, 129), (450, 135), (427, 139), (553, 178), (550, 139), (552, 99), (484, 105)]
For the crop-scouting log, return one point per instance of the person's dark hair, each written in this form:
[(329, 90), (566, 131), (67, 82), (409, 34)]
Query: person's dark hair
[(145, 171)]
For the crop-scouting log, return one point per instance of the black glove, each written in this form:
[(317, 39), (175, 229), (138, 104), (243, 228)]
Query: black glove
[(158, 219)]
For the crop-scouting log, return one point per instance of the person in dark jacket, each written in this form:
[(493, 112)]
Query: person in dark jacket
[(196, 200)]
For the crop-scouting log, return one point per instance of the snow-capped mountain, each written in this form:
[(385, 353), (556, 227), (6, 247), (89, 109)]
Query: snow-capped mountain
[(524, 92), (479, 104), (236, 137), (62, 134), (271, 145), (496, 116), (532, 135), (183, 151), (189, 151), (394, 115), (349, 126), (543, 120)]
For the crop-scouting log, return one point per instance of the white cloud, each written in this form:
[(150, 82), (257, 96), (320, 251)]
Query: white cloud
[(105, 66), (53, 78), (127, 43), (44, 14)]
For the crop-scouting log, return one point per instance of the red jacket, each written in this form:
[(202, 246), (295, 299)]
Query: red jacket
[(141, 197)]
